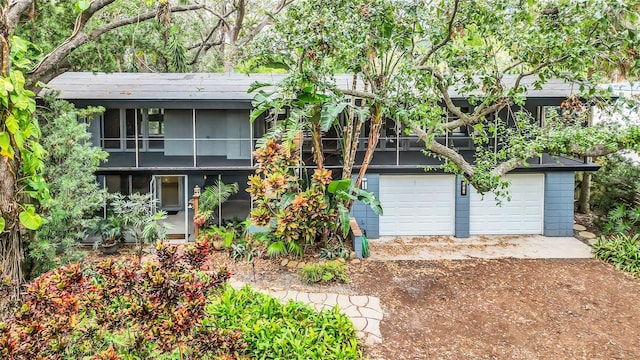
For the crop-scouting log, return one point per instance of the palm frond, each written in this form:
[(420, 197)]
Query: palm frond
[(216, 194)]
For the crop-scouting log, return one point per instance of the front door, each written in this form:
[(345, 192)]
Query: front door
[(169, 191)]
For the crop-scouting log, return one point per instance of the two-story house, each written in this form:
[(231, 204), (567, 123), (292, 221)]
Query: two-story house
[(167, 133)]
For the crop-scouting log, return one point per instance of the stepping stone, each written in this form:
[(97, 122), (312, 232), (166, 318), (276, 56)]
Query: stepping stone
[(370, 313), (331, 300), (343, 302), (359, 323), (292, 264), (587, 235), (303, 297), (578, 227), (373, 327), (592, 241), (317, 298), (372, 339), (351, 312), (355, 261), (284, 262), (359, 300), (374, 303)]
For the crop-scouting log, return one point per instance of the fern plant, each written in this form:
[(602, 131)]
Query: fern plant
[(213, 196)]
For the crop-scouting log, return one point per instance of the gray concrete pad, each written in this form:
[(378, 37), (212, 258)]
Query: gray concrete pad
[(485, 247)]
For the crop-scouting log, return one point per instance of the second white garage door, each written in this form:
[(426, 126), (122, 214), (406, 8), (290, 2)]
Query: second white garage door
[(417, 205), (522, 215)]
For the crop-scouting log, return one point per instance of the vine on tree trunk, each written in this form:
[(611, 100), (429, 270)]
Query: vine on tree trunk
[(22, 186)]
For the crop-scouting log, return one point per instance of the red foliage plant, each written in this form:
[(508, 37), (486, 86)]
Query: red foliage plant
[(117, 309)]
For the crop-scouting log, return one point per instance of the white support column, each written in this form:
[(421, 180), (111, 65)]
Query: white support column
[(397, 142), (135, 138), (186, 208), (195, 149), (251, 143)]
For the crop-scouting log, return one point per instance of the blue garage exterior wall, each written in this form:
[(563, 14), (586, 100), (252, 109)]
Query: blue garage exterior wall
[(367, 219), (558, 203), (462, 209), (557, 218)]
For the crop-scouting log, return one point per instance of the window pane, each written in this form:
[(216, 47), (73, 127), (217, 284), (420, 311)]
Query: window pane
[(140, 183), (155, 128), (111, 129), (117, 183)]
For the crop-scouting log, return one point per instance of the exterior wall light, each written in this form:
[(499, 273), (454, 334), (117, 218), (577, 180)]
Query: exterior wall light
[(364, 183), (463, 188), (196, 191)]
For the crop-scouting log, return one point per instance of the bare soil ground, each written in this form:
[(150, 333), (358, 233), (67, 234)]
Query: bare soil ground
[(503, 309)]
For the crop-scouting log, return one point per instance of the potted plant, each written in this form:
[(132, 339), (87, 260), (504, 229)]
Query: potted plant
[(112, 231)]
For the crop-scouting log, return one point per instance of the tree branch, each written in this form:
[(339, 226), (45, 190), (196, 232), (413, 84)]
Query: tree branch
[(446, 38), (47, 69), (265, 21), (359, 94), (450, 154), (14, 12)]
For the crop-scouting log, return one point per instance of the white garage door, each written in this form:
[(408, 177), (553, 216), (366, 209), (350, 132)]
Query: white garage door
[(522, 215), (417, 204)]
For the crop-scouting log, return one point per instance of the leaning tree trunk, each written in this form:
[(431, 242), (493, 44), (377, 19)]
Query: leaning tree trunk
[(11, 253)]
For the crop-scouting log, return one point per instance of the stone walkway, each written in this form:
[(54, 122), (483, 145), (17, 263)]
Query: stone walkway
[(364, 311)]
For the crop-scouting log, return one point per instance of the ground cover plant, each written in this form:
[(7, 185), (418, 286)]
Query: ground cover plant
[(623, 251), (164, 308), (327, 272)]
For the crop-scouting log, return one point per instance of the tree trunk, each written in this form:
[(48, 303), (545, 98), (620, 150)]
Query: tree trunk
[(585, 185), (318, 149), (374, 136), (585, 194), (11, 254)]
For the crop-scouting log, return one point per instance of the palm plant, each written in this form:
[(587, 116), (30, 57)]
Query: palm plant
[(213, 196)]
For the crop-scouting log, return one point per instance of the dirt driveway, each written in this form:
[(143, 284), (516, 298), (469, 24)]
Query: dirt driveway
[(503, 309)]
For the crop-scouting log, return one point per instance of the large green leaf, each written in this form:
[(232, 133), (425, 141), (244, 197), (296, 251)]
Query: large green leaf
[(339, 185), (257, 85), (2, 224), (368, 198), (12, 124), (343, 213), (5, 145), (329, 114), (29, 218)]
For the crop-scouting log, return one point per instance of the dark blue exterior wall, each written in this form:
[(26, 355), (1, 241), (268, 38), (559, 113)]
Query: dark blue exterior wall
[(367, 219), (558, 203), (462, 209)]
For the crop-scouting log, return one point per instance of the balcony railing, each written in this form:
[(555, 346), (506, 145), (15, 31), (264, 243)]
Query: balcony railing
[(235, 153)]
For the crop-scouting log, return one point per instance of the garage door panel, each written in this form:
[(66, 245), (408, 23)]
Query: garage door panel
[(417, 205), (523, 214)]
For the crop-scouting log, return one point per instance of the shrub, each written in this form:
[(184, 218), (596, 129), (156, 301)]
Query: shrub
[(70, 164), (165, 309), (330, 271), (275, 331), (616, 183), (623, 251), (121, 310)]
